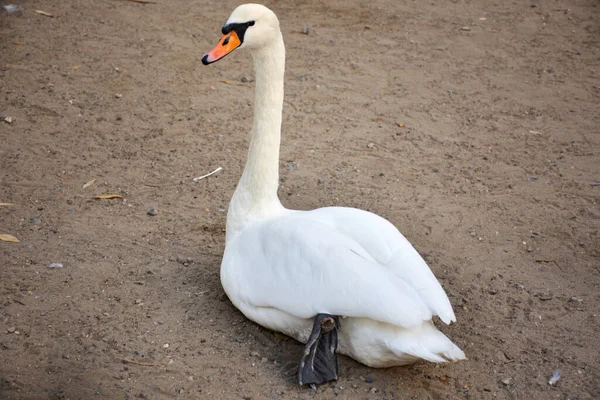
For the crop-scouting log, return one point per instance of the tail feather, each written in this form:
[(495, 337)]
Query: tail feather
[(426, 342)]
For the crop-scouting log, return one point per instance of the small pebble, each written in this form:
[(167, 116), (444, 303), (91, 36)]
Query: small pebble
[(369, 379), (138, 301), (152, 212), (554, 378), (247, 79), (436, 170), (575, 300), (12, 329), (184, 260), (55, 265), (11, 8), (465, 28), (306, 30), (370, 145), (506, 381), (166, 346)]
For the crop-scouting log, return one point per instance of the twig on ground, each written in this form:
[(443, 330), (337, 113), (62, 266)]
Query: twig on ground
[(141, 363), (207, 175)]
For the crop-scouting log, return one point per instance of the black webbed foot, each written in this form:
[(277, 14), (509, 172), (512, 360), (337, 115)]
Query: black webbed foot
[(319, 360)]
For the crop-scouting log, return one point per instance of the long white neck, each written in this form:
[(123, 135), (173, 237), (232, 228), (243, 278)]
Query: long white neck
[(255, 197)]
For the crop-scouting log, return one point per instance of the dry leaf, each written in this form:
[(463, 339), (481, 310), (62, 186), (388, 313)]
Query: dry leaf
[(44, 13), (230, 82), (108, 196), (140, 1), (6, 204), (89, 183), (5, 237)]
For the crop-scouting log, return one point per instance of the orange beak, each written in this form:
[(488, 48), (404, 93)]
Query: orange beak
[(226, 45)]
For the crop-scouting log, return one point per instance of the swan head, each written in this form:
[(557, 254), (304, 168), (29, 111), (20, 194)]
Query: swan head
[(251, 26)]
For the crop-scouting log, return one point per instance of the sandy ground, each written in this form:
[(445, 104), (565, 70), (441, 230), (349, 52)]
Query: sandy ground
[(473, 126)]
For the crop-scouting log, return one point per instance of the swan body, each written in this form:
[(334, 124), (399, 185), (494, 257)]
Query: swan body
[(283, 267)]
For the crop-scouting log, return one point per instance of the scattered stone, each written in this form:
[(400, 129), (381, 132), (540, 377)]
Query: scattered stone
[(553, 380), (143, 396), (436, 170), (8, 120), (374, 390), (152, 212), (543, 296), (11, 8), (371, 145), (184, 260), (305, 30), (320, 181), (533, 5), (138, 301), (369, 379), (255, 354), (55, 265), (247, 79), (35, 221), (118, 95), (506, 381), (575, 300), (166, 346), (12, 329), (465, 28)]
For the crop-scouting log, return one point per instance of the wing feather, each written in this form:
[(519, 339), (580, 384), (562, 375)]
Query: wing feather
[(334, 260)]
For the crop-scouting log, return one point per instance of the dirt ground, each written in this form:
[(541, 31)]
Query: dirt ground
[(472, 125)]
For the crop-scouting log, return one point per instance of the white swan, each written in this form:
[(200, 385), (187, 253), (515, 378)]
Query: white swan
[(296, 271)]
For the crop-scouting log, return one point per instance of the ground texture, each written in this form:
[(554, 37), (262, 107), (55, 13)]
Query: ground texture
[(473, 126)]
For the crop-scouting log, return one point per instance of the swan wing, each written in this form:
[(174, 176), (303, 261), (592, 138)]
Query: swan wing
[(389, 247), (305, 264)]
